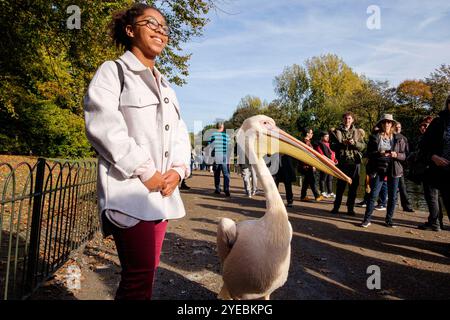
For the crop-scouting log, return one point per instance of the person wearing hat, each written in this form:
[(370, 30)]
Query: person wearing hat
[(435, 145), (385, 151)]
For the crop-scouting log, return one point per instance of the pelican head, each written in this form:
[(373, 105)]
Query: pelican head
[(259, 135)]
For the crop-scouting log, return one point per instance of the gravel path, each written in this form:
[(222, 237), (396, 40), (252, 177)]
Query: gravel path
[(330, 254)]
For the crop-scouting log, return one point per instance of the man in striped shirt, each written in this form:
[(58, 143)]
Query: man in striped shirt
[(220, 141)]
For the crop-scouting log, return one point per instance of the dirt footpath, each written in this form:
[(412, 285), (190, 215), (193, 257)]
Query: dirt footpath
[(330, 254)]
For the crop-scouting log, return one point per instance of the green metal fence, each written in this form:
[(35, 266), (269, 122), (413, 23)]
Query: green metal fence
[(47, 209)]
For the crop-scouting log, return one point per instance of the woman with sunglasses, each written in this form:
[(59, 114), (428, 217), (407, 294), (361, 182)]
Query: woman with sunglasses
[(133, 122), (385, 152)]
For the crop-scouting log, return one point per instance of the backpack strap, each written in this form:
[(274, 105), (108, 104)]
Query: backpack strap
[(121, 76)]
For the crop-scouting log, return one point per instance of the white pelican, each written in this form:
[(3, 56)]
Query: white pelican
[(255, 254)]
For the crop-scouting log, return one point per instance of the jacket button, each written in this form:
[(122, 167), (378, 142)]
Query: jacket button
[(167, 127), (166, 154), (166, 100)]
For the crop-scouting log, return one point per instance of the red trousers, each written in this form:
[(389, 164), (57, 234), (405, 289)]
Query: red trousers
[(139, 248)]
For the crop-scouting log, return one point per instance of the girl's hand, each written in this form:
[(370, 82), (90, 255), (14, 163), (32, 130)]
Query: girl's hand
[(394, 154), (172, 178), (439, 161), (156, 182)]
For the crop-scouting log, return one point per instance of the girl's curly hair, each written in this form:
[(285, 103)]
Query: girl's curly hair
[(122, 19)]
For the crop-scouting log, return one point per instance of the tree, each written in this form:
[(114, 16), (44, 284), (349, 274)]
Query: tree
[(439, 82), (413, 104), (317, 94), (54, 132), (370, 101), (292, 88), (276, 111), (332, 81), (45, 63), (248, 106), (415, 94)]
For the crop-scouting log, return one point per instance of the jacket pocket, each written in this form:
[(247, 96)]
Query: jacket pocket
[(140, 110), (138, 99)]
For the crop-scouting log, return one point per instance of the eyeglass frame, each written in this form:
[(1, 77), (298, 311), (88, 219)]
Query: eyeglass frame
[(160, 26)]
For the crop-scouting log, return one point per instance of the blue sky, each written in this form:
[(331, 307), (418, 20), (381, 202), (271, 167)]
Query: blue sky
[(243, 50)]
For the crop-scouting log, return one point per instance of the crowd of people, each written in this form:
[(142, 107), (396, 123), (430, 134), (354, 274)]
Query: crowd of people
[(385, 154)]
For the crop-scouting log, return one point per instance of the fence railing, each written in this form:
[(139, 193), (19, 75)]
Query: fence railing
[(47, 209)]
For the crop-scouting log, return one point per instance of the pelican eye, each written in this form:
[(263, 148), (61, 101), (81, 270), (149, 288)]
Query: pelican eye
[(268, 124)]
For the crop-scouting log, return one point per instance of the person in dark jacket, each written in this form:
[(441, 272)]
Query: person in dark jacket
[(326, 180), (435, 147), (309, 179), (348, 144), (404, 198), (286, 175), (431, 194), (385, 152)]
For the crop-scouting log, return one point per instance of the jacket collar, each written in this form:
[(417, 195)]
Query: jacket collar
[(161, 77), (134, 64), (342, 127), (395, 136)]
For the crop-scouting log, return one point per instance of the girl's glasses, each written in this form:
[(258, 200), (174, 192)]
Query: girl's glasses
[(153, 24)]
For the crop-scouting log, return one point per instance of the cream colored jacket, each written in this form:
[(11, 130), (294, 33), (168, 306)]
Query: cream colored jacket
[(141, 127)]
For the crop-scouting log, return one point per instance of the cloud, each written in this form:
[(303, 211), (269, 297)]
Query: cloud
[(425, 23), (223, 74), (407, 60)]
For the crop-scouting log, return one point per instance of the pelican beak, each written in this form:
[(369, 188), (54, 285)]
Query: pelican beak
[(282, 142)]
